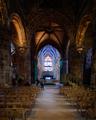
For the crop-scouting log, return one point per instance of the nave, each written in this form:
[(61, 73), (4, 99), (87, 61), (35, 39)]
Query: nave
[(51, 42), (50, 105)]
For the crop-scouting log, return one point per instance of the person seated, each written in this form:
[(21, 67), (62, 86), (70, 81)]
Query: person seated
[(37, 82), (42, 84)]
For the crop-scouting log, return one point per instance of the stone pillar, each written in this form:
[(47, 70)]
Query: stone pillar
[(76, 67), (19, 62), (32, 50), (5, 57), (63, 70), (93, 69), (93, 73), (87, 67), (28, 66), (36, 69), (57, 70)]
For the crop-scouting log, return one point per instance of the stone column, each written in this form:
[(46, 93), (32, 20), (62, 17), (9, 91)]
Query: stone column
[(63, 69), (87, 67), (76, 67), (32, 50), (36, 69), (28, 66), (93, 76), (5, 57)]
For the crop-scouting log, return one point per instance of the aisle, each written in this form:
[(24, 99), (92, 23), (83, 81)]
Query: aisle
[(52, 106)]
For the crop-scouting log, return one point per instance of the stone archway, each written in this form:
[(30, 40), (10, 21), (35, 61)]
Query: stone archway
[(19, 41), (79, 51), (49, 64), (18, 32)]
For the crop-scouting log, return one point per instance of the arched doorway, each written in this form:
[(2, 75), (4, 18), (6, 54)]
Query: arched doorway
[(49, 64)]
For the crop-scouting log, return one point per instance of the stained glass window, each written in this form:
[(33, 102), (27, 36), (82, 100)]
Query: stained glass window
[(48, 64)]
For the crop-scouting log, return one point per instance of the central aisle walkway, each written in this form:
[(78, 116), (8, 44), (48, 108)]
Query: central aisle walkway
[(50, 105)]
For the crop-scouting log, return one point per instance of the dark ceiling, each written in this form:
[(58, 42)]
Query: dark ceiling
[(77, 6), (37, 15)]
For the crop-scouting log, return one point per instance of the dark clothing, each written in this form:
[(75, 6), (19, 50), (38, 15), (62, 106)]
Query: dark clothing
[(42, 84), (37, 82)]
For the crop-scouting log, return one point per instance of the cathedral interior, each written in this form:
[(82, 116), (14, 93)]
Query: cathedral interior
[(53, 42)]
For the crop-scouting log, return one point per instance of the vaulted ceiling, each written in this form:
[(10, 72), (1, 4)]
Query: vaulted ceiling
[(55, 21)]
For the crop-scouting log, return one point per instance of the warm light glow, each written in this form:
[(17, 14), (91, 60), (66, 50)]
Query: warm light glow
[(21, 40), (81, 33), (38, 35), (56, 35), (41, 37)]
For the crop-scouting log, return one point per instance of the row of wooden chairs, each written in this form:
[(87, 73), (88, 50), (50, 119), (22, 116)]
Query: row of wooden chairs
[(85, 99), (17, 102)]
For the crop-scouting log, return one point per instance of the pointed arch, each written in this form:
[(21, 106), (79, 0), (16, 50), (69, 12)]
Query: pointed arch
[(84, 23), (18, 32)]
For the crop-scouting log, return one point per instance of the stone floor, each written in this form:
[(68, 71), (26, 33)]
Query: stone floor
[(50, 105)]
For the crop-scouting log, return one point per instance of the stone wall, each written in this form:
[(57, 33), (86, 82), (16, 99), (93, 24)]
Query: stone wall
[(5, 62)]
